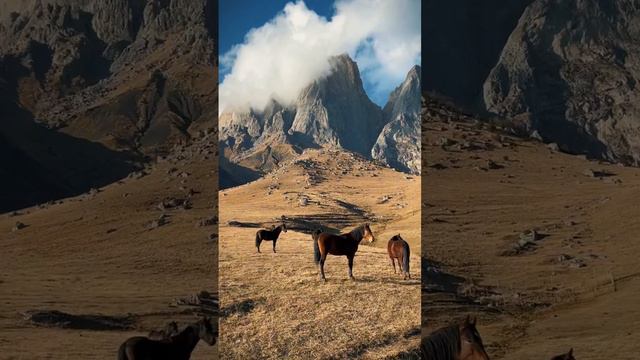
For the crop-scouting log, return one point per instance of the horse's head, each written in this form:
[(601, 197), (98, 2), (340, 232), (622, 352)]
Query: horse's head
[(368, 234), (206, 331), (566, 356), (471, 347)]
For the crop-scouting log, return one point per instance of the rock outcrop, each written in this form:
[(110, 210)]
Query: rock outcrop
[(571, 69), (398, 145), (563, 71)]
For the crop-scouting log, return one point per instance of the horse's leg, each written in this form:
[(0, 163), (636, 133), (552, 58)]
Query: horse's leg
[(400, 259), (322, 259), (351, 266), (258, 242), (274, 245), (393, 263)]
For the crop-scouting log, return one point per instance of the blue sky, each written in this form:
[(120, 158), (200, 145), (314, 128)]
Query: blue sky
[(383, 38)]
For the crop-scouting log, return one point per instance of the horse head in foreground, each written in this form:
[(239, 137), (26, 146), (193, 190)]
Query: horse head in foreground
[(270, 235), (398, 249), (340, 245), (455, 342), (169, 330), (565, 356), (177, 347)]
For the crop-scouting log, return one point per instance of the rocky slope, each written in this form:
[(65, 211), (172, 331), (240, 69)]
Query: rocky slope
[(125, 78), (333, 112), (398, 144)]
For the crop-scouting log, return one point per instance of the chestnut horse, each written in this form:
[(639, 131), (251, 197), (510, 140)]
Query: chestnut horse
[(270, 235), (344, 244), (178, 347), (455, 342), (566, 356), (399, 249)]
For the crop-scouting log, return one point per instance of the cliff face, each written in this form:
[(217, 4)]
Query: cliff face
[(398, 144), (572, 68), (566, 69)]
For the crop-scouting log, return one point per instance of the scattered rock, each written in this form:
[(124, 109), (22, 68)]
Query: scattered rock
[(384, 199), (162, 220), (493, 165), (18, 226), (210, 221), (553, 147), (438, 166)]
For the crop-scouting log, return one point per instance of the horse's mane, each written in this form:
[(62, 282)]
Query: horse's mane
[(443, 344), (358, 232)]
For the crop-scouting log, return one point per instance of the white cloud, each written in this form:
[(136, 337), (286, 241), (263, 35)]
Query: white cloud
[(290, 51)]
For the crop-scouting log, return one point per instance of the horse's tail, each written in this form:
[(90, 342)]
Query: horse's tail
[(316, 248), (122, 351), (405, 257)]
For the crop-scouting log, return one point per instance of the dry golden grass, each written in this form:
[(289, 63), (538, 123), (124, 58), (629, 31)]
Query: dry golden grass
[(474, 214), (95, 254), (276, 306)]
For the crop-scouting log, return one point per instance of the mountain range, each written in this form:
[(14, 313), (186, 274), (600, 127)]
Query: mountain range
[(333, 111), (91, 90)]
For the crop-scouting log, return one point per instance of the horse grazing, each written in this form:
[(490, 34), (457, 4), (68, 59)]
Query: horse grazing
[(455, 342), (178, 347), (343, 244), (270, 235), (167, 332), (566, 356), (399, 249)]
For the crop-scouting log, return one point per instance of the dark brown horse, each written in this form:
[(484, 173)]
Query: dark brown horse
[(178, 347), (455, 342), (566, 356), (344, 244), (399, 249), (167, 332), (270, 235)]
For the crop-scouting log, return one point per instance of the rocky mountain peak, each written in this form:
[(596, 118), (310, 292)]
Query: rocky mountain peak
[(398, 144)]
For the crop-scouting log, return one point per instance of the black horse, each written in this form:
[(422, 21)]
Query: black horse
[(270, 235), (178, 347)]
